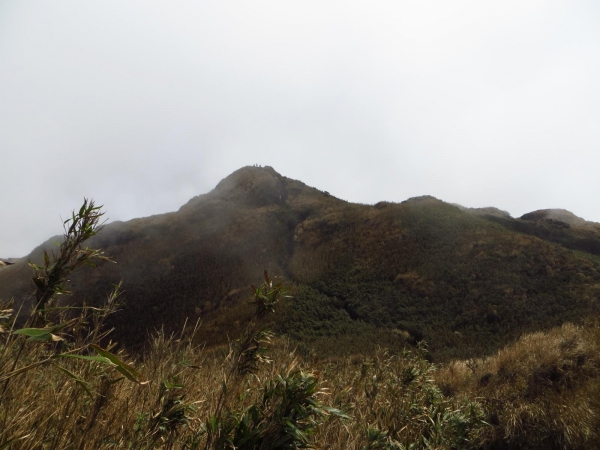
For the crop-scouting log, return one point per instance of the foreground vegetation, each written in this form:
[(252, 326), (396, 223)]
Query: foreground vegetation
[(64, 386), (541, 393)]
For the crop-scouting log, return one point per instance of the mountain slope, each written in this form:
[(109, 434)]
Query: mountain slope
[(554, 225), (362, 275)]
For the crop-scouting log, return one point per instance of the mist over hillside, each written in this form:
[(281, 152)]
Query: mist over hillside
[(468, 281)]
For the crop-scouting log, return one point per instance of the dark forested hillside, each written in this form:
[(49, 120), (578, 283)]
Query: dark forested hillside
[(466, 281)]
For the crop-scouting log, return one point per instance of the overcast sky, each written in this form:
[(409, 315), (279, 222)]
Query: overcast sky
[(142, 105)]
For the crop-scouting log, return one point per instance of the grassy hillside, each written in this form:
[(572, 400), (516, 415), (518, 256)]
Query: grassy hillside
[(361, 275), (65, 385), (559, 226), (539, 393)]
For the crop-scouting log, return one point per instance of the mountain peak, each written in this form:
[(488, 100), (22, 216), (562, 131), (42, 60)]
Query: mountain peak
[(489, 211), (246, 177), (423, 198), (558, 215), (255, 185), (251, 186)]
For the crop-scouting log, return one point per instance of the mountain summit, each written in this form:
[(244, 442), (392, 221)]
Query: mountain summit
[(253, 186), (361, 275), (557, 215)]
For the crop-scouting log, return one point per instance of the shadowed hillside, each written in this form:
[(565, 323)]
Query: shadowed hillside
[(554, 225), (466, 282)]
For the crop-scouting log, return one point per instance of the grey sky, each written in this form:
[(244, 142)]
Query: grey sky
[(142, 105)]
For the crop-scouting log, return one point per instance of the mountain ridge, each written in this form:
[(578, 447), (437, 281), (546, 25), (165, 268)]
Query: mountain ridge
[(360, 274)]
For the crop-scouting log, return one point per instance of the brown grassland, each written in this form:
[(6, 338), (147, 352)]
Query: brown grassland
[(541, 392)]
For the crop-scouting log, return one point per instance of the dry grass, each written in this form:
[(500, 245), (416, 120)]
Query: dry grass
[(542, 392), (44, 409)]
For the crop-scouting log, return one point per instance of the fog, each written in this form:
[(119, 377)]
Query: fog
[(142, 105)]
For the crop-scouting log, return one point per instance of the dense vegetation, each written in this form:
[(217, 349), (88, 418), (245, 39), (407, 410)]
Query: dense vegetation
[(62, 388), (388, 274)]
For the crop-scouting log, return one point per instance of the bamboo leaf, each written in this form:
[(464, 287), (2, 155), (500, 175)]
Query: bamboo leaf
[(46, 338), (33, 332), (129, 372), (113, 358), (100, 359)]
